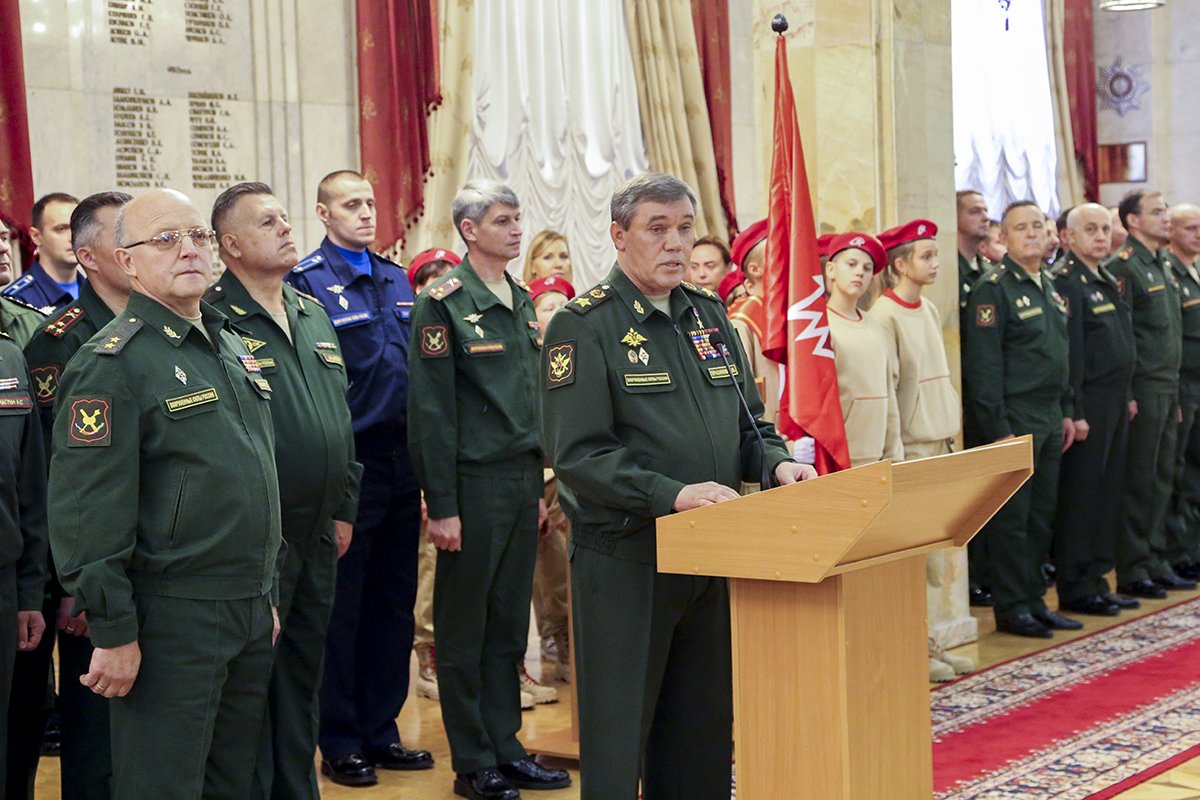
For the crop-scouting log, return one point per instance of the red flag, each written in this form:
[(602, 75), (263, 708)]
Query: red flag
[(16, 170), (794, 291)]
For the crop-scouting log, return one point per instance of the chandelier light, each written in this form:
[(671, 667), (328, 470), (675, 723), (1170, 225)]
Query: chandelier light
[(1130, 5)]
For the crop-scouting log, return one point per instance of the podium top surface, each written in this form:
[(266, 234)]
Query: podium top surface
[(848, 520)]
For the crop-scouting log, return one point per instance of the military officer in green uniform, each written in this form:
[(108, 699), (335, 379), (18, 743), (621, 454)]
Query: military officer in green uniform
[(86, 763), (1152, 292), (296, 348), (473, 431), (1015, 381), (164, 517), (1093, 469), (21, 321), (973, 224), (1183, 518), (23, 552), (641, 418)]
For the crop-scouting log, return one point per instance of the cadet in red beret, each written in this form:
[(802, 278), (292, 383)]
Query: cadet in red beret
[(928, 404), (732, 290), (861, 352), (749, 316), (429, 265)]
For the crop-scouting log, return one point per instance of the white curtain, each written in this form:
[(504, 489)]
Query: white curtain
[(1004, 142), (556, 118)]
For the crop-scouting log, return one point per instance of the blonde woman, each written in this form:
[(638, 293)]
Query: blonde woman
[(548, 254)]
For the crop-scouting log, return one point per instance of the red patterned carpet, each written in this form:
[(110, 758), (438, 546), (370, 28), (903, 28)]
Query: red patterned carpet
[(1086, 719)]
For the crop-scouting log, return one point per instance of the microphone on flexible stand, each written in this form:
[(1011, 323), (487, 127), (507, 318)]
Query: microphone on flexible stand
[(718, 341)]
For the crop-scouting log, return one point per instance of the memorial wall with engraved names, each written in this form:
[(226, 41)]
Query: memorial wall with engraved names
[(194, 95)]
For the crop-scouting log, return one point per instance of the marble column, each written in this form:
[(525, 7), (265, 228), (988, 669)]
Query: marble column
[(872, 82)]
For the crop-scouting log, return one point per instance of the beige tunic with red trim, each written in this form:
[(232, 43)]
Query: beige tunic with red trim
[(930, 410), (866, 390)]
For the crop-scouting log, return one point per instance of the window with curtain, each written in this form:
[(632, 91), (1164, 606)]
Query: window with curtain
[(1004, 143)]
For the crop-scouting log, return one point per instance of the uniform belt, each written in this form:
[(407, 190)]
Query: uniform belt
[(200, 587)]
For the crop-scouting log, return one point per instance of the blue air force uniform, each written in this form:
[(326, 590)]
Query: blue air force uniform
[(36, 288), (371, 630)]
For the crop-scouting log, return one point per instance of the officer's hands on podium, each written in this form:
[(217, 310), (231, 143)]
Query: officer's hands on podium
[(791, 472), (695, 495), (30, 627), (446, 534), (113, 670), (343, 532)]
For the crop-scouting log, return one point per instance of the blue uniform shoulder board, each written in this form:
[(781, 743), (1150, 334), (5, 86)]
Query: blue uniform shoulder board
[(314, 260), (307, 296), (444, 289), (116, 340), (19, 284), (700, 290)]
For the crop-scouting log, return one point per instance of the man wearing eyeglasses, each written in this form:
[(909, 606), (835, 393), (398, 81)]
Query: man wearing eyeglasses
[(165, 518)]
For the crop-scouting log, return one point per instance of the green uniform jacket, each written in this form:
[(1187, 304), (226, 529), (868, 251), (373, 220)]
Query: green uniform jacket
[(164, 476), (638, 405), (19, 320), (22, 480), (1100, 329), (1188, 289), (473, 397), (56, 340), (969, 273), (1017, 350), (1157, 324), (314, 444)]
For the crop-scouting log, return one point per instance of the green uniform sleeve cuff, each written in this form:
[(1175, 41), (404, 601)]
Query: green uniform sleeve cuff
[(113, 633), (441, 506), (663, 497), (30, 598)]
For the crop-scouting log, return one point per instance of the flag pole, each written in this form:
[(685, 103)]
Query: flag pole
[(779, 24)]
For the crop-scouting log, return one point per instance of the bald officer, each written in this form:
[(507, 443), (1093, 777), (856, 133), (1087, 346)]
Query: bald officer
[(641, 419), (164, 516)]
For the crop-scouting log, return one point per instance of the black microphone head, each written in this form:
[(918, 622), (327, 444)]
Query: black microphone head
[(716, 339)]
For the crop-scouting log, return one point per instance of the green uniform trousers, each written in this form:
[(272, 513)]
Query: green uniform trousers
[(286, 770), (481, 600), (1149, 476), (1018, 538), (655, 680), (1183, 519), (8, 652), (1089, 499), (190, 726), (86, 761)]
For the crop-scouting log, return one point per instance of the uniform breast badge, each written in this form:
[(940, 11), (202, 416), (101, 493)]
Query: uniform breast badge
[(337, 289), (703, 345), (180, 375)]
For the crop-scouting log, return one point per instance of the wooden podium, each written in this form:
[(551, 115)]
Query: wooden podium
[(827, 591)]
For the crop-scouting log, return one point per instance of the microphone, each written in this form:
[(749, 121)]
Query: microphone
[(718, 341)]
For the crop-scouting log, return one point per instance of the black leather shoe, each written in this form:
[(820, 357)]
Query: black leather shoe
[(1175, 583), (1057, 621), (1094, 605), (1120, 600), (981, 598), (351, 770), (397, 756), (528, 774), (1024, 625), (1144, 588), (485, 784), (1188, 570)]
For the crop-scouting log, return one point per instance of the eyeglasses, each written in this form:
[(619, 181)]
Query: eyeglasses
[(169, 240)]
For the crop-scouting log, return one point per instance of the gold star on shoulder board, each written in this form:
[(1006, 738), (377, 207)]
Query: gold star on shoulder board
[(583, 302)]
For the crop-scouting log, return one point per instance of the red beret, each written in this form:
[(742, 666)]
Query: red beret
[(732, 279), (823, 243), (908, 232), (551, 283), (861, 241), (747, 240), (424, 257)]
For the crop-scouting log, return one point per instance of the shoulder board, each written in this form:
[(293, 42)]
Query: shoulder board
[(313, 260), (521, 283), (995, 275), (444, 289), (585, 302), (65, 320), (700, 290), (1125, 254), (17, 301), (119, 337), (19, 284), (213, 294), (307, 296)]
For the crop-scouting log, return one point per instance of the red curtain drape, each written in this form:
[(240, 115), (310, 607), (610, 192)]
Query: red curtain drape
[(16, 171), (1079, 53), (711, 18), (397, 89)]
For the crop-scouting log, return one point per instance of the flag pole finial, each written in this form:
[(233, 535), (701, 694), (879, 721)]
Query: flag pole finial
[(779, 24)]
